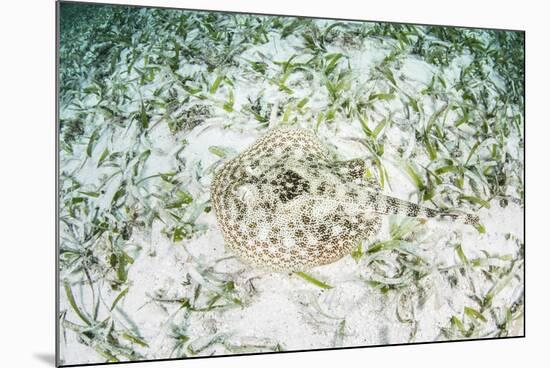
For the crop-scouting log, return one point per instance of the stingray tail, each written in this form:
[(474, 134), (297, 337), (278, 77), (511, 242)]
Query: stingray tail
[(387, 205)]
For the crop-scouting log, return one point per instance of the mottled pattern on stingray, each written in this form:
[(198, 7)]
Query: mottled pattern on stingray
[(285, 205)]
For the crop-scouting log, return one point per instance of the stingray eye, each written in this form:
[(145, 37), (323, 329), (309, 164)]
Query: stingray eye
[(250, 169), (245, 194)]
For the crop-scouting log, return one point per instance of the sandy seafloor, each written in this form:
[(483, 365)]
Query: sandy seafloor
[(274, 311)]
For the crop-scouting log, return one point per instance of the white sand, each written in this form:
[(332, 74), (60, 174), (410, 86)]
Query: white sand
[(285, 309)]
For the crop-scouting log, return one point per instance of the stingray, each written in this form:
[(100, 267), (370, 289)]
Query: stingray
[(285, 205)]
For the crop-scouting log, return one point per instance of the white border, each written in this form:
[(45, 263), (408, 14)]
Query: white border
[(27, 181)]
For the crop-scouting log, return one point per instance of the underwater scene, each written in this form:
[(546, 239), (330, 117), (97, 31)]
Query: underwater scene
[(234, 183)]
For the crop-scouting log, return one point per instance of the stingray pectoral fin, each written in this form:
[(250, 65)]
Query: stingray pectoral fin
[(351, 169), (386, 205)]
